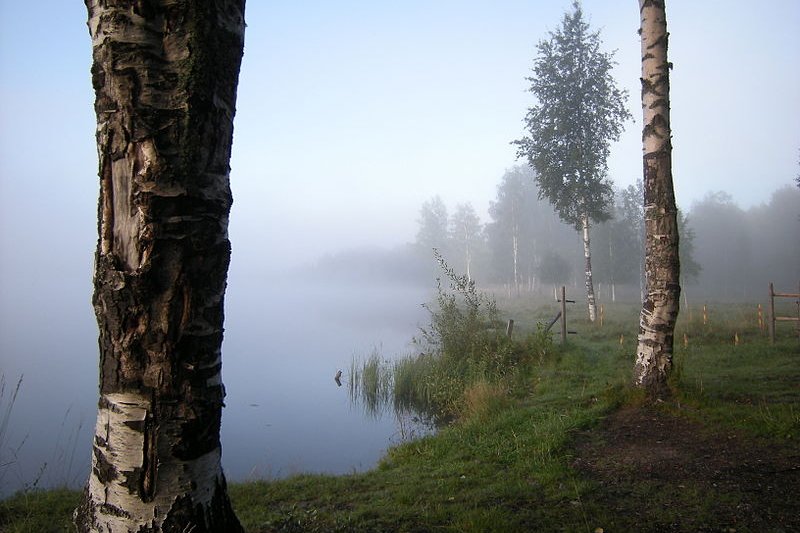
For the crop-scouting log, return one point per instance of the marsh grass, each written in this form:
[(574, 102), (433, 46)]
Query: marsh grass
[(370, 384), (460, 355), (483, 399), (8, 452), (31, 509)]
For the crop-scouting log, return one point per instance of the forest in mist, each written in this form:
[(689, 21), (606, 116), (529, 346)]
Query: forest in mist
[(727, 253)]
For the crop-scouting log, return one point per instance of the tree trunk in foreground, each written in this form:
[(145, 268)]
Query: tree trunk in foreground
[(587, 255), (662, 266), (165, 74)]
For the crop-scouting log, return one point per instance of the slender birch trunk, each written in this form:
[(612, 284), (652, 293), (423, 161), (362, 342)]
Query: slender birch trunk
[(467, 253), (165, 74), (611, 262), (587, 255), (662, 266), (469, 264), (515, 246)]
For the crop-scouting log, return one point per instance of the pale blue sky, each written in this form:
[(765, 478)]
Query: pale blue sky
[(353, 113)]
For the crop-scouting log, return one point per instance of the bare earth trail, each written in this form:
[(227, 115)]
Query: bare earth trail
[(658, 471)]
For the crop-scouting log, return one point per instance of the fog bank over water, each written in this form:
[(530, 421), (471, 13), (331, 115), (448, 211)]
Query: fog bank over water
[(285, 338)]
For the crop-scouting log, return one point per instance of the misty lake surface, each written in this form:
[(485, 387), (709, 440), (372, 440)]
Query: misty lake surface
[(284, 414)]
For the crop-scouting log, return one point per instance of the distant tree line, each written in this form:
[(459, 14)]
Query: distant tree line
[(526, 246), (741, 251), (727, 253)]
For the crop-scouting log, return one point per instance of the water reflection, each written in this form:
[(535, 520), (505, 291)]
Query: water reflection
[(284, 341), (375, 386)]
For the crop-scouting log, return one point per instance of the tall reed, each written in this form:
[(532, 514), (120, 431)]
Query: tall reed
[(6, 462)]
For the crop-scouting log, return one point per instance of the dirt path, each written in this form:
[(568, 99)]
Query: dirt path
[(660, 472)]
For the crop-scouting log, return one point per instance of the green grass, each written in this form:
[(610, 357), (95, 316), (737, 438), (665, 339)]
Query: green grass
[(753, 386), (39, 511), (506, 463)]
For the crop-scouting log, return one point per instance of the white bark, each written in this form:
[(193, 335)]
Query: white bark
[(587, 255), (122, 435), (515, 244), (165, 76), (661, 304)]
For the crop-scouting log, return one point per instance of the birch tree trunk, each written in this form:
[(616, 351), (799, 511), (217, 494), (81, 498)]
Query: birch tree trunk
[(165, 74), (662, 266), (613, 283), (587, 255), (515, 246)]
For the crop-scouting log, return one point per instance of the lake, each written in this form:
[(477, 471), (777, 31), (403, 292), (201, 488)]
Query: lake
[(284, 342)]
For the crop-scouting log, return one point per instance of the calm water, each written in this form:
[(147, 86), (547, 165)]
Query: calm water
[(284, 413)]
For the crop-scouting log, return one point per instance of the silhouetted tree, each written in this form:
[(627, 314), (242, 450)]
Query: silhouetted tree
[(579, 112), (509, 232), (629, 204), (466, 235), (433, 225), (165, 77), (724, 247), (776, 241), (554, 269), (618, 247), (774, 246), (690, 268)]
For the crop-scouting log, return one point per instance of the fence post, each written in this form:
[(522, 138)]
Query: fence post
[(771, 313), (509, 327)]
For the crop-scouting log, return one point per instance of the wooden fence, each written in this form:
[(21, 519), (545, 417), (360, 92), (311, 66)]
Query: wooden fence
[(773, 318)]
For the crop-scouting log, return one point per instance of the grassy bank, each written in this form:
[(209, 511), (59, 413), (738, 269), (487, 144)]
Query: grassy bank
[(509, 462)]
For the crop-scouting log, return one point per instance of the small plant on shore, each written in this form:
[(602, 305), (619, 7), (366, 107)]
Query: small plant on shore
[(370, 384), (463, 357)]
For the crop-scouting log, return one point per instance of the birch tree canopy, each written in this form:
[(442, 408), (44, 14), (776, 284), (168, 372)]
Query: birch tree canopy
[(579, 112)]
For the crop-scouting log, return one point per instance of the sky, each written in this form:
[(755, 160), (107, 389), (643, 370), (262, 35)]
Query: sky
[(352, 113)]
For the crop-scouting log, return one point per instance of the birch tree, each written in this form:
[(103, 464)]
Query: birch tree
[(631, 206), (579, 112), (465, 233), (433, 225), (662, 265), (617, 248), (510, 230), (165, 75)]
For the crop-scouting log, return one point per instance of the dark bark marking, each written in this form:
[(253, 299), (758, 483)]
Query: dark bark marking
[(102, 468), (114, 510), (144, 9), (148, 478)]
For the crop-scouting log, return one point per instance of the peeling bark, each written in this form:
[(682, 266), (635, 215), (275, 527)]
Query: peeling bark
[(661, 303), (165, 75)]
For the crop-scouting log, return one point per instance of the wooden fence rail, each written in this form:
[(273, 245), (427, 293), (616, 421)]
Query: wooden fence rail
[(773, 318)]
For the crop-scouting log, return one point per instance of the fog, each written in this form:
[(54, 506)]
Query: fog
[(285, 339), (350, 117)]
